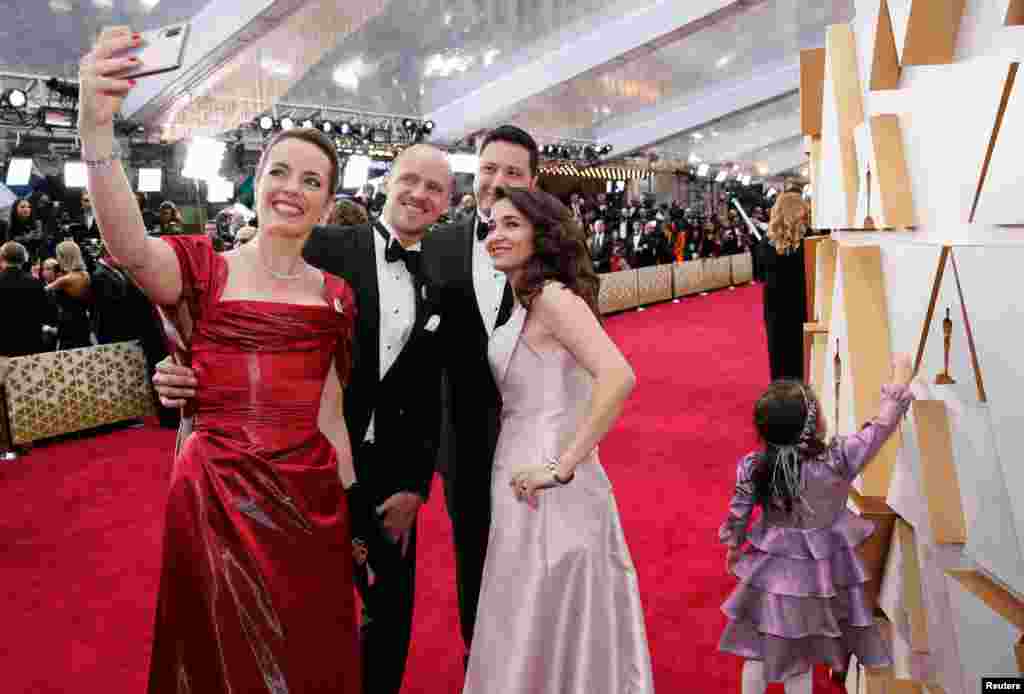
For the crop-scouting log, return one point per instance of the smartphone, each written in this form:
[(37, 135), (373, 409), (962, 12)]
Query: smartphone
[(162, 50)]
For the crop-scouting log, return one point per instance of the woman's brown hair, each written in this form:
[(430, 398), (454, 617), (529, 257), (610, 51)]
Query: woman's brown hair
[(313, 137), (560, 251)]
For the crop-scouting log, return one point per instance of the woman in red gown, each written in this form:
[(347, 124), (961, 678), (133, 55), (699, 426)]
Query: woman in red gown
[(256, 588)]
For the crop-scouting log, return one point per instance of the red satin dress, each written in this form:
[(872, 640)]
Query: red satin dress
[(256, 591)]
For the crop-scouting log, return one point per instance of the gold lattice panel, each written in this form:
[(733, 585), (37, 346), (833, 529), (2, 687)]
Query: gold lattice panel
[(689, 277), (742, 268), (61, 392), (654, 284), (618, 291), (719, 272)]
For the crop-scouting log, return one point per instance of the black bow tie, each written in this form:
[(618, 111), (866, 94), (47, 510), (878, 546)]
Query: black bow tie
[(482, 229), (395, 252)]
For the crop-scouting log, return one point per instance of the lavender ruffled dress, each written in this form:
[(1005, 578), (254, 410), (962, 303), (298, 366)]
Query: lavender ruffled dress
[(801, 599)]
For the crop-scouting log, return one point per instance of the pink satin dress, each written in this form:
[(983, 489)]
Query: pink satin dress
[(256, 591), (559, 609)]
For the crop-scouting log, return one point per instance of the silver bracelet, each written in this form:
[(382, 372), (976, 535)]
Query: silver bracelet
[(552, 466), (98, 163)]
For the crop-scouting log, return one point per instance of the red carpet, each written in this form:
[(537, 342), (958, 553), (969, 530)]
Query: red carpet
[(81, 522)]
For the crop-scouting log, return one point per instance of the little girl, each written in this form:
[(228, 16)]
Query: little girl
[(801, 600)]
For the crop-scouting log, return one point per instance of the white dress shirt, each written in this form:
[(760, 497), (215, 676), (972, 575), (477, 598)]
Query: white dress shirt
[(397, 299), (488, 283)]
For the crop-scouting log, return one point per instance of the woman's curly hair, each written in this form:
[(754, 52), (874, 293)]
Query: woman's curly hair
[(788, 224), (560, 250)]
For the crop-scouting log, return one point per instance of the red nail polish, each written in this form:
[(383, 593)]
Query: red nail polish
[(136, 37), (131, 82)]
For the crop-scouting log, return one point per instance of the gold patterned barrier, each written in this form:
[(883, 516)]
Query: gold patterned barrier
[(742, 268), (618, 291), (689, 277), (57, 393), (719, 271), (654, 284)]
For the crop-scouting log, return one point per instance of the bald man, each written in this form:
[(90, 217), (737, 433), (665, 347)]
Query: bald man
[(392, 400)]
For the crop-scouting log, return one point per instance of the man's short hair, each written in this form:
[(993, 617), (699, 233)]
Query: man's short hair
[(13, 253), (515, 136)]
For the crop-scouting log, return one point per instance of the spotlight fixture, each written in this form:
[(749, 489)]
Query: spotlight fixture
[(308, 123), (287, 123), (345, 127), (409, 125), (265, 123), (66, 90), (363, 130), (428, 127), (607, 149), (327, 127), (13, 98)]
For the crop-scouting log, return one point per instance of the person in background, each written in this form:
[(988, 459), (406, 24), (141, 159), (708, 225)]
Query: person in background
[(27, 308), (600, 247), (348, 213), (72, 293), (785, 295), (245, 235), (24, 228), (170, 223), (466, 210)]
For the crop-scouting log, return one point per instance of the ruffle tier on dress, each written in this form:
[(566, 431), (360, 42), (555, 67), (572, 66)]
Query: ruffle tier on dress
[(801, 599)]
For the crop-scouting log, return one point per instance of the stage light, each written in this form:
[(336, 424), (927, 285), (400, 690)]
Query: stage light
[(266, 123), (410, 125), (74, 174), (150, 180), (607, 149), (589, 152), (745, 180), (14, 98), (722, 175), (428, 127), (308, 123), (703, 170), (19, 172), (287, 123), (345, 127)]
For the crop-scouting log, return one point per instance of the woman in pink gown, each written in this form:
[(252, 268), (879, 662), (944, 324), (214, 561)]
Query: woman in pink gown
[(256, 588), (560, 609)]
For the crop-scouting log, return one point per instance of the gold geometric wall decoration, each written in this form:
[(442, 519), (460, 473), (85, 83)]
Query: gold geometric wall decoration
[(891, 170), (72, 390), (654, 284), (1015, 13), (848, 104), (999, 600), (885, 62), (869, 354), (913, 586), (931, 33), (1000, 185), (617, 291), (812, 87), (940, 479)]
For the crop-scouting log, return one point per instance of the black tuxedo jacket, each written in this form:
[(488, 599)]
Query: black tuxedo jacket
[(27, 308), (472, 396), (406, 400)]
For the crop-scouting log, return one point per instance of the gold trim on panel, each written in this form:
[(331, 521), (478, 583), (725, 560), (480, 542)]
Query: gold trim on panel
[(999, 600), (842, 63), (913, 586), (940, 479), (893, 176), (932, 31), (885, 63), (812, 90), (1007, 90)]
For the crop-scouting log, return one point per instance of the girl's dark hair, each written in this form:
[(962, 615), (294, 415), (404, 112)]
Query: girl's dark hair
[(313, 137), (19, 226), (559, 247), (779, 416)]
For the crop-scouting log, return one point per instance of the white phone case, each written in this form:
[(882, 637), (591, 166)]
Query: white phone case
[(162, 50)]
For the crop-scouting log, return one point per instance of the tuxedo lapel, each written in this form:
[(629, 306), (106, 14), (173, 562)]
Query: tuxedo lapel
[(369, 301)]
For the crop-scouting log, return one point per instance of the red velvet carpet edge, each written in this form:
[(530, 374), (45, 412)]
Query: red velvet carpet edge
[(81, 521)]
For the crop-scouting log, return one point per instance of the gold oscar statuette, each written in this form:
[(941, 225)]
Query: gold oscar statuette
[(944, 379), (869, 222)]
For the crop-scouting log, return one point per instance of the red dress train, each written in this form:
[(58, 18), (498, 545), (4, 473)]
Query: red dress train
[(256, 591)]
